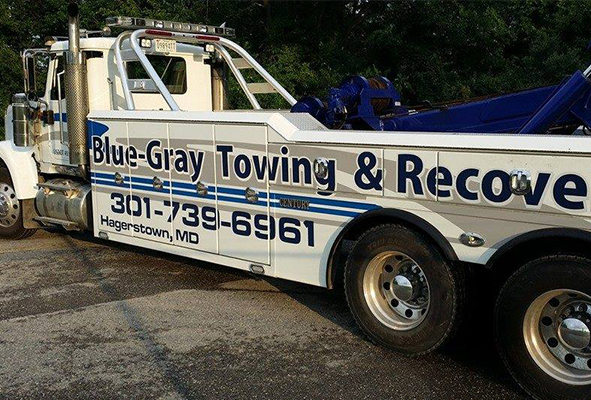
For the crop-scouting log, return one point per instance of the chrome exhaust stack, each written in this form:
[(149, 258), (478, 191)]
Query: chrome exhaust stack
[(77, 92)]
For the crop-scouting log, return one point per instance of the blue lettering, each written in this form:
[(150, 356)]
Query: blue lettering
[(284, 164), (364, 178), (242, 167), (462, 184), (196, 164), (535, 195), (413, 175), (154, 157), (330, 181), (225, 150), (488, 182), (307, 170), (436, 178), (98, 153), (260, 166), (181, 162), (561, 191)]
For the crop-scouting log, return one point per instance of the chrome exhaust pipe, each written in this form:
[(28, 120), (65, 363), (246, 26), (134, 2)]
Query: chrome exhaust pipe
[(76, 92)]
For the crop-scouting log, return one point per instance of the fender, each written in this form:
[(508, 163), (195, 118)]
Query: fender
[(22, 168), (570, 237), (387, 214)]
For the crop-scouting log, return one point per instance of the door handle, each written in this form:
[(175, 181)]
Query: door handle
[(157, 183), (201, 189), (252, 196), (119, 178), (520, 180), (321, 167)]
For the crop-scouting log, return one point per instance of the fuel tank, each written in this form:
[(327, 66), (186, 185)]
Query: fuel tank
[(65, 202)]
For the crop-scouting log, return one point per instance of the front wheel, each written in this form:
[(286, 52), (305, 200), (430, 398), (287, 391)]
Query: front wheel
[(11, 215), (543, 327), (401, 291)]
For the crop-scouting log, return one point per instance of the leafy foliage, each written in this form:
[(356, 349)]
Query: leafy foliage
[(436, 50)]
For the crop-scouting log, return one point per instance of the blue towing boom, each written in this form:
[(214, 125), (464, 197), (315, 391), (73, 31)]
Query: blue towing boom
[(360, 103)]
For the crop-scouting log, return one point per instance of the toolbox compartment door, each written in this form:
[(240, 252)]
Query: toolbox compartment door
[(245, 227)]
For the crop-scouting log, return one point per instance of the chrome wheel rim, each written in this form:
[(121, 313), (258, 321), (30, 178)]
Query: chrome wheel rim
[(396, 290), (9, 206), (557, 333)]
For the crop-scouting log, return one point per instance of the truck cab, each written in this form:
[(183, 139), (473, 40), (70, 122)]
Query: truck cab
[(185, 70)]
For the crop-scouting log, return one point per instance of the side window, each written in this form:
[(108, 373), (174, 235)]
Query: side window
[(172, 71), (58, 87), (58, 75)]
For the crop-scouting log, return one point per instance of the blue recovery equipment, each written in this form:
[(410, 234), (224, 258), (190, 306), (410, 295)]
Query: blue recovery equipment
[(358, 103), (361, 103)]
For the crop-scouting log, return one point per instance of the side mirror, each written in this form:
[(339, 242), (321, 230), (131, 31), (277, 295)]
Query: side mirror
[(31, 74)]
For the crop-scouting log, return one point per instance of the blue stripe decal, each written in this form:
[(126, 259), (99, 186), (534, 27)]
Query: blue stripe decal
[(240, 192), (96, 128), (241, 200), (192, 194), (109, 183), (327, 202), (148, 181), (63, 117), (145, 184)]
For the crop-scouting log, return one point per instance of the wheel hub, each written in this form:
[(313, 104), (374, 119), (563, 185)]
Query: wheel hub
[(575, 333), (403, 288), (396, 290), (557, 332), (9, 206)]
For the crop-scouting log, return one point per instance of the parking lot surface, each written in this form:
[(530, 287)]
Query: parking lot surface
[(81, 318)]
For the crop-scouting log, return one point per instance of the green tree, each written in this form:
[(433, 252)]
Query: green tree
[(436, 50)]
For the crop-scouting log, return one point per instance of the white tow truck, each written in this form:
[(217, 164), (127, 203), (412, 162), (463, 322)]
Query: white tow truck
[(133, 141)]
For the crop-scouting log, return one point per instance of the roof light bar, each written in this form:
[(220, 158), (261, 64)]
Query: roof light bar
[(156, 32), (146, 23), (159, 32)]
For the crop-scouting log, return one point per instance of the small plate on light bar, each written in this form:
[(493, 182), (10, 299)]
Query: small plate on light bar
[(165, 46)]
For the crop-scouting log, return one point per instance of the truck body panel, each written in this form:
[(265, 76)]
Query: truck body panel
[(455, 189)]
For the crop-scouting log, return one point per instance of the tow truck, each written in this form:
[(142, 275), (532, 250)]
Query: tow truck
[(132, 139)]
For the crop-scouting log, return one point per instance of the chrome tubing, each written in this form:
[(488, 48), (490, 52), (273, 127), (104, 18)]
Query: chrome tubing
[(258, 68), (123, 71), (77, 91), (220, 43), (241, 81), (135, 45)]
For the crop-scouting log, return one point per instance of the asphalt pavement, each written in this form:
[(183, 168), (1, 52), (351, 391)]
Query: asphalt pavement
[(81, 318)]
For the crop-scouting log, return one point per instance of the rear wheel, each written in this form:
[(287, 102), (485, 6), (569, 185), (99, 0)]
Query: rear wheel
[(11, 214), (543, 327), (401, 291)]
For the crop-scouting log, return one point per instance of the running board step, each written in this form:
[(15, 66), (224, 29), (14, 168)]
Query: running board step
[(67, 225), (57, 187)]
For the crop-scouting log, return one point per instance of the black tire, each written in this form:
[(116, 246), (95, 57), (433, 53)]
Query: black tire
[(521, 290), (16, 231), (446, 290)]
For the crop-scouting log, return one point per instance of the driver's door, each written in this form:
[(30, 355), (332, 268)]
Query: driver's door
[(56, 100)]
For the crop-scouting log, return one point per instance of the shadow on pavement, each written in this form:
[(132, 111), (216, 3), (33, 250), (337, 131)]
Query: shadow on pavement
[(473, 347)]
